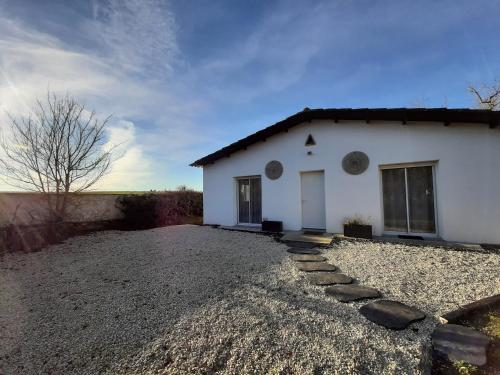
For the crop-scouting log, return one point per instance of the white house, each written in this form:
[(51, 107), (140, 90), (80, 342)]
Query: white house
[(426, 172)]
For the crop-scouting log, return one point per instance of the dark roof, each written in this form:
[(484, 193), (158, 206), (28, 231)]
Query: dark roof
[(403, 115)]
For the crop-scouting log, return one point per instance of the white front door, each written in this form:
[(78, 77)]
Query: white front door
[(313, 200)]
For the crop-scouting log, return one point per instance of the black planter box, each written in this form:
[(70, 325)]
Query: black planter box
[(359, 231), (272, 226)]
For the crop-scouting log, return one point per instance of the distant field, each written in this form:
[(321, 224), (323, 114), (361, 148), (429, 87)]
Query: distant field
[(100, 192)]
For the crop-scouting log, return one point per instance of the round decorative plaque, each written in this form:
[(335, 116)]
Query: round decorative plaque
[(355, 162), (274, 170)]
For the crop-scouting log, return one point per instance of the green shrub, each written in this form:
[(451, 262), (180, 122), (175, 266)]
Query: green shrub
[(160, 209)]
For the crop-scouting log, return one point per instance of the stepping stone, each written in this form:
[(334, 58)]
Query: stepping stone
[(459, 343), (391, 314), (328, 278), (304, 245), (301, 250), (348, 293), (308, 258), (316, 266)]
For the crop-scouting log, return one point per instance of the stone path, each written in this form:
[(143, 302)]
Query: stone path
[(459, 343), (316, 266), (303, 250), (391, 314), (329, 278), (455, 342), (308, 258), (349, 293)]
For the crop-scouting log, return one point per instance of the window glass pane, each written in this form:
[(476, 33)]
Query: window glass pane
[(244, 201), (421, 199), (255, 201), (394, 196)]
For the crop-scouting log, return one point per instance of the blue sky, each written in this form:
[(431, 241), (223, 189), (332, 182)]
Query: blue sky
[(184, 78)]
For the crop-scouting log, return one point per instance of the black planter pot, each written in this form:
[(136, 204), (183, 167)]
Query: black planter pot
[(358, 231), (272, 226)]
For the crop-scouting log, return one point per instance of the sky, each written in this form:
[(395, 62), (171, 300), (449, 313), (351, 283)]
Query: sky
[(184, 78)]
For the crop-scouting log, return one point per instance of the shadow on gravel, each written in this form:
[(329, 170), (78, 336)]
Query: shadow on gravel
[(278, 326), (88, 304)]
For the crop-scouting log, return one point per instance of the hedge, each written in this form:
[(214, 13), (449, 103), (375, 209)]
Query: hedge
[(160, 209)]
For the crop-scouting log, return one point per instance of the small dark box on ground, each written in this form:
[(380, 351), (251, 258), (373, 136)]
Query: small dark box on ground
[(410, 237), (358, 231), (272, 226)]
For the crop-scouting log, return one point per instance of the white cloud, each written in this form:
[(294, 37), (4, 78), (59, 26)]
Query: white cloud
[(277, 52), (137, 35), (116, 81), (31, 63), (131, 164), (281, 49)]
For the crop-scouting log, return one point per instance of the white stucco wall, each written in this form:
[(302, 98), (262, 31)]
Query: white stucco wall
[(467, 175)]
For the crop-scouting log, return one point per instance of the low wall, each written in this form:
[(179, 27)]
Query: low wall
[(30, 208), (23, 225)]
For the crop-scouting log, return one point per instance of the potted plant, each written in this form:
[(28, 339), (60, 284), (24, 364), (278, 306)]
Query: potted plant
[(357, 227)]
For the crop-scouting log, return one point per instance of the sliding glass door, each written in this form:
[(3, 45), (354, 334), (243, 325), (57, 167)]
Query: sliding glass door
[(408, 195), (249, 200), (394, 195)]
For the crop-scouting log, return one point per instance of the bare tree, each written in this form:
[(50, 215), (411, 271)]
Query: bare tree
[(487, 96), (58, 150)]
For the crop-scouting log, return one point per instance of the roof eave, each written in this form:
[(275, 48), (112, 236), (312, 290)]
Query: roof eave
[(402, 115)]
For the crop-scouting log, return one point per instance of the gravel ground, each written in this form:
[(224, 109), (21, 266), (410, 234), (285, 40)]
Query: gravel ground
[(198, 300)]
